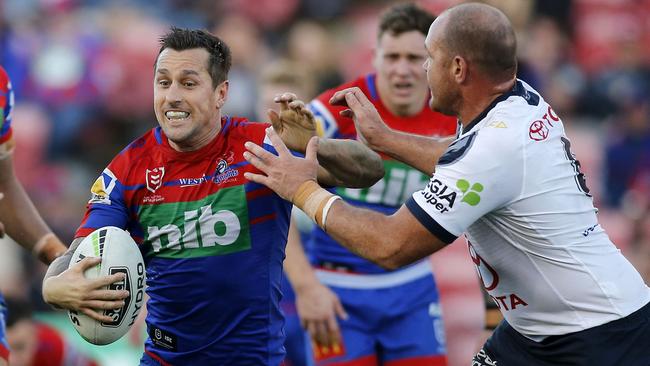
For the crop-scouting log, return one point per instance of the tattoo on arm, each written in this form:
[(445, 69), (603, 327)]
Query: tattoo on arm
[(349, 163), (62, 263)]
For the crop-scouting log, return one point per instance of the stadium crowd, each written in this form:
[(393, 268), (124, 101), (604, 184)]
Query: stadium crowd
[(81, 72)]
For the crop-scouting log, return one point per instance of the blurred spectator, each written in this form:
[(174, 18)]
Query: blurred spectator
[(309, 43), (249, 53), (33, 343), (627, 161)]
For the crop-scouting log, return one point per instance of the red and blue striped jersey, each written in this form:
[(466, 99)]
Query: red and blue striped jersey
[(213, 244), (399, 181)]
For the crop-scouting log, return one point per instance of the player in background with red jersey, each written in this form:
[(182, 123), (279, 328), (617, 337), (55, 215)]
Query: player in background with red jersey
[(387, 317)]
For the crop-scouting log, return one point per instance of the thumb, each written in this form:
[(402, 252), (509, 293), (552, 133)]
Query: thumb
[(312, 148), (275, 119), (2, 195)]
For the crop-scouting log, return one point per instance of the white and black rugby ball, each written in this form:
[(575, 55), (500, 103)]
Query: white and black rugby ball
[(119, 253)]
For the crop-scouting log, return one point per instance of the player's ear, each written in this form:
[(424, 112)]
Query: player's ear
[(459, 69), (222, 93)]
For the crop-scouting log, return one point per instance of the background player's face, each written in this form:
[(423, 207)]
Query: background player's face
[(445, 93), (22, 341), (401, 81), (186, 104)]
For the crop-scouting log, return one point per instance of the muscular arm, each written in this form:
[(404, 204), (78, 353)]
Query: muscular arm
[(20, 218), (390, 241), (348, 163), (420, 152)]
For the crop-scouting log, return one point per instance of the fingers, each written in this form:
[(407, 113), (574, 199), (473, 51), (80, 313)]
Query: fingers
[(322, 334), (257, 178), (106, 280), (86, 263), (276, 141), (259, 152), (103, 305), (310, 326), (96, 315), (284, 99), (275, 120), (312, 149), (355, 100), (107, 295), (347, 113), (339, 97), (339, 310)]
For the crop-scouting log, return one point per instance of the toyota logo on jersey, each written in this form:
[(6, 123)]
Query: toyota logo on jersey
[(538, 131)]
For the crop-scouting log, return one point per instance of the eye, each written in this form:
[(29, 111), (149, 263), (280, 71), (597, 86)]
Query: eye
[(189, 84), (392, 57), (163, 82)]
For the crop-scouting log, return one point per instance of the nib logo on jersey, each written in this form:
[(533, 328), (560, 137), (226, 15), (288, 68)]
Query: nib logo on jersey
[(215, 225)]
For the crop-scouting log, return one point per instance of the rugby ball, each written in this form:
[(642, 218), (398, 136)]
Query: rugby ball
[(119, 253)]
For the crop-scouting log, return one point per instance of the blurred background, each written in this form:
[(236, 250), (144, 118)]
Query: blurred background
[(82, 75)]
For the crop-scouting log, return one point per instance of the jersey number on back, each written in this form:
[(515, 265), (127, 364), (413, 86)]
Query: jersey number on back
[(580, 177)]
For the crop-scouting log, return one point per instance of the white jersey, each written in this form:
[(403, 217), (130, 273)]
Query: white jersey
[(511, 184)]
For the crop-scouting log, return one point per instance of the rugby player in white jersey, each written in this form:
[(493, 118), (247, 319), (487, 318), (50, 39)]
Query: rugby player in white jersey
[(510, 183)]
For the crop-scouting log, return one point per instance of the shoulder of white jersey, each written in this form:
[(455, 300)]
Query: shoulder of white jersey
[(500, 127), (326, 125)]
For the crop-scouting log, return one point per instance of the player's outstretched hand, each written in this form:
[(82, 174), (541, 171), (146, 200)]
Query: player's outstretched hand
[(295, 123), (283, 173), (72, 290), (318, 308), (369, 125)]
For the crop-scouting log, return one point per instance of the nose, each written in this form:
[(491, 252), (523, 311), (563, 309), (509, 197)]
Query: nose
[(402, 66), (174, 95)]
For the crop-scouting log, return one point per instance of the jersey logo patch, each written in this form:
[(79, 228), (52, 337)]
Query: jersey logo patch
[(470, 194), (154, 178), (538, 131), (497, 124), (457, 150), (102, 188)]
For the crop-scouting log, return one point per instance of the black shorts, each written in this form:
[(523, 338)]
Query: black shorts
[(622, 342)]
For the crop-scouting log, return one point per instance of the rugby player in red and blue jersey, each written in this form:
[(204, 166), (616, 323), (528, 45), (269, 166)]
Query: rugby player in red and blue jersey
[(405, 327), (18, 217), (213, 241)]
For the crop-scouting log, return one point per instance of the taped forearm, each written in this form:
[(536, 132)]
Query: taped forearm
[(314, 201)]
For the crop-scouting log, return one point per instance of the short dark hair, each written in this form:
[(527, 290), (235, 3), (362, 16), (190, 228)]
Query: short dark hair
[(220, 60), (484, 35), (17, 309), (403, 18)]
